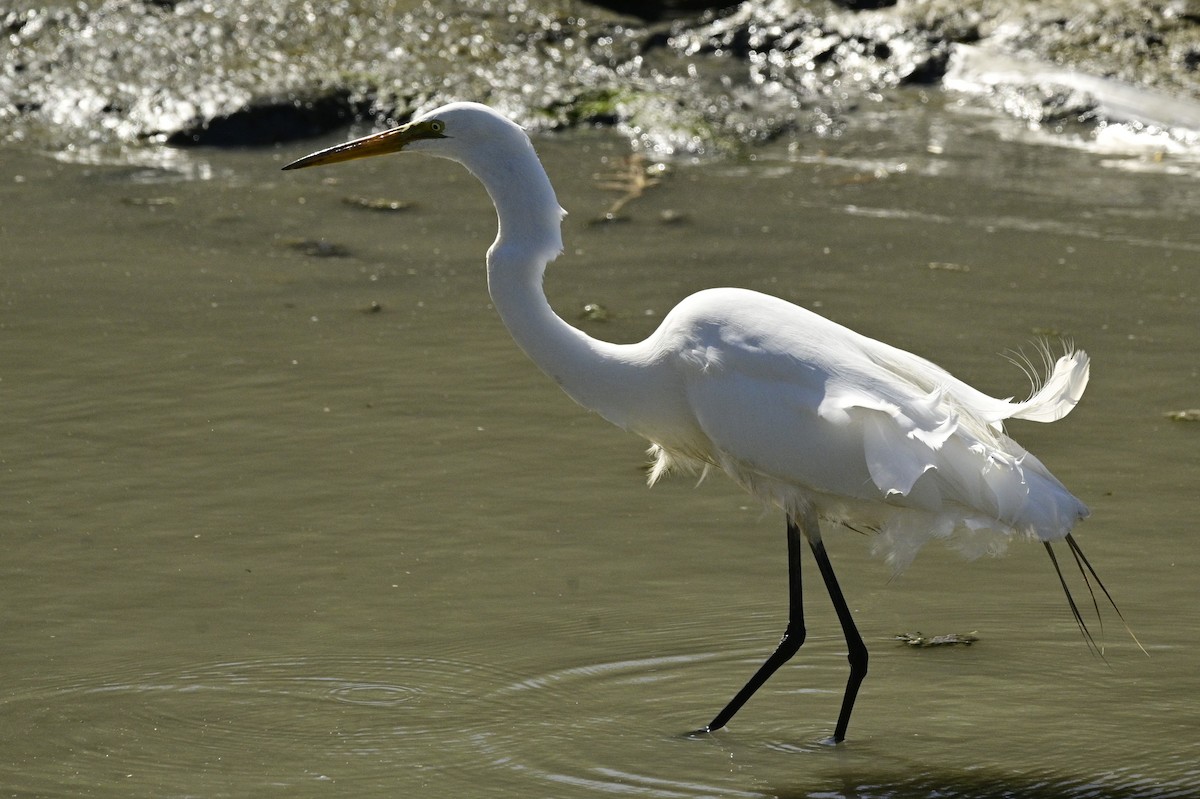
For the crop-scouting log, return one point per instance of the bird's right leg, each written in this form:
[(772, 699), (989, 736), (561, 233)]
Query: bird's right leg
[(857, 650), (793, 636)]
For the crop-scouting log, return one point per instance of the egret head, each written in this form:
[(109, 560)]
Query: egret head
[(452, 131), (492, 148)]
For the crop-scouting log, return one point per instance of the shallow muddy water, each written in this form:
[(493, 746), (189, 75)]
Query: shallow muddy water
[(279, 524)]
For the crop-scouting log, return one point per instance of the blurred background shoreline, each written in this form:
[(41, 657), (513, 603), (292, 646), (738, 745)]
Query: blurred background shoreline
[(107, 80)]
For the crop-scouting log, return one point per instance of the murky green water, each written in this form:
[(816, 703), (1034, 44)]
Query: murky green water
[(262, 540)]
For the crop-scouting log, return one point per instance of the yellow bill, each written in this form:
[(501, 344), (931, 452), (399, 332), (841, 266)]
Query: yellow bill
[(389, 141)]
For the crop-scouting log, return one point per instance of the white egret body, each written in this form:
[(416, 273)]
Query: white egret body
[(800, 411)]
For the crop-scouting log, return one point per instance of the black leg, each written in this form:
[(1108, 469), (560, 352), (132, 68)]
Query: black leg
[(793, 636), (857, 650)]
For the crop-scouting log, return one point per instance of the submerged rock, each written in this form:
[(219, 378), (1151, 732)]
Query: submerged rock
[(1043, 92)]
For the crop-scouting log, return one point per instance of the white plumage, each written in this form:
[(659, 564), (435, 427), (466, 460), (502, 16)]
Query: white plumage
[(802, 412)]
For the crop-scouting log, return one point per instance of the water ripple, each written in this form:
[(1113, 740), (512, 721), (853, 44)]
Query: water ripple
[(281, 722), (410, 725)]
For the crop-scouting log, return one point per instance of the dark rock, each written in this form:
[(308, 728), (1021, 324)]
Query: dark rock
[(270, 120), (865, 5), (928, 70), (654, 11)]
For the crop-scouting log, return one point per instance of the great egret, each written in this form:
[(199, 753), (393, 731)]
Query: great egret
[(802, 412)]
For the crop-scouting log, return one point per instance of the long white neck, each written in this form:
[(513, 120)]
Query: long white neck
[(596, 374)]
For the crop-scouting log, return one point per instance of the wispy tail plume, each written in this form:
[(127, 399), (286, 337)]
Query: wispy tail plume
[(1055, 395)]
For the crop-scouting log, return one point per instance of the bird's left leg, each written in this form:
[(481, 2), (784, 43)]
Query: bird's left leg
[(857, 650), (793, 636)]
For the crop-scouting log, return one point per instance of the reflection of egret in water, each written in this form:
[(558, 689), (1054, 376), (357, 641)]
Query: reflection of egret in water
[(800, 411)]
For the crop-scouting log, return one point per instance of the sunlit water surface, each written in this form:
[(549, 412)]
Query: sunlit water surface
[(278, 524)]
